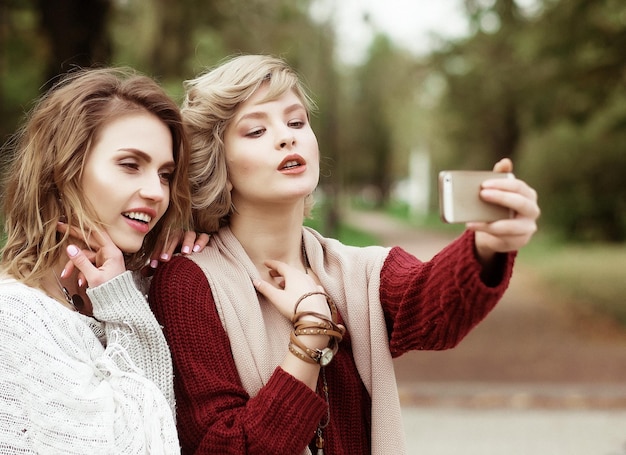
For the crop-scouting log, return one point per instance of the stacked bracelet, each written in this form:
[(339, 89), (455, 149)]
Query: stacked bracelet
[(329, 301), (325, 326)]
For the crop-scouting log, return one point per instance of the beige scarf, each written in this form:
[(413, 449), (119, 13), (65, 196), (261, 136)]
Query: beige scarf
[(258, 333)]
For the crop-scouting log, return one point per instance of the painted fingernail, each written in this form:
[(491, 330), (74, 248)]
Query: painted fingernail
[(165, 257), (185, 249), (72, 250), (80, 282), (154, 263), (63, 273), (196, 248)]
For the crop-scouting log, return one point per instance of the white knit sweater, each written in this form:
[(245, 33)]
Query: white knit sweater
[(71, 385)]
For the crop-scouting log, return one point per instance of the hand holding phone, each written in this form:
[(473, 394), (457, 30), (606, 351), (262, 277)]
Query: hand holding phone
[(459, 197)]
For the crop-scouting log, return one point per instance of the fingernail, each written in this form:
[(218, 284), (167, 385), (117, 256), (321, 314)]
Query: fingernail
[(165, 257), (80, 282), (63, 273), (154, 263), (196, 248), (185, 249), (72, 250)]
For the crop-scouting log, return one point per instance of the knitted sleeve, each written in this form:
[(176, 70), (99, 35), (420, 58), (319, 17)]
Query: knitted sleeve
[(215, 414), (433, 305), (62, 391), (129, 321)]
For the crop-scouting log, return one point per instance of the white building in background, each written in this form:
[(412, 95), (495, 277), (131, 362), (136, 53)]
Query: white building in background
[(415, 190)]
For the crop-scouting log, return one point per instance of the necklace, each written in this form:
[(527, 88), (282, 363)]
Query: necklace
[(319, 440), (305, 258), (74, 300)]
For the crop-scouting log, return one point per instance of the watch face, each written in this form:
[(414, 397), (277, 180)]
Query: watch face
[(326, 357)]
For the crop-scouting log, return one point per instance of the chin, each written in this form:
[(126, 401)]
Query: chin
[(127, 248)]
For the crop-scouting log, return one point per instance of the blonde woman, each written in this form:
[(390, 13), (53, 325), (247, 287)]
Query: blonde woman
[(282, 340)]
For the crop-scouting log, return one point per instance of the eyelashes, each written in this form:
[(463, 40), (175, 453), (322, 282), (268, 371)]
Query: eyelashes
[(166, 176), (258, 132)]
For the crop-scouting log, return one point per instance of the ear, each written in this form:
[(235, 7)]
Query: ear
[(229, 186)]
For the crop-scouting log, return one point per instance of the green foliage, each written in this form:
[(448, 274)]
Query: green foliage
[(430, 222), (580, 170), (590, 274), (382, 120), (549, 91), (478, 116), (22, 57), (575, 146), (346, 234)]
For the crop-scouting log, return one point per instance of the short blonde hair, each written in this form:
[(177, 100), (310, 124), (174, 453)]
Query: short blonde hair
[(48, 153), (211, 101)]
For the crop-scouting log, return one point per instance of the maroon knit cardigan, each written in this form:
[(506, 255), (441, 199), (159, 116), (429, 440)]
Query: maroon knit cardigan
[(428, 305)]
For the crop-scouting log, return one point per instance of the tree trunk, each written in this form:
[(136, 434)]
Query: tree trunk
[(77, 33)]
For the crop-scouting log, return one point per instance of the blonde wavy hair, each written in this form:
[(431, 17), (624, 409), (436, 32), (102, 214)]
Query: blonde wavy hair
[(47, 157), (211, 101)]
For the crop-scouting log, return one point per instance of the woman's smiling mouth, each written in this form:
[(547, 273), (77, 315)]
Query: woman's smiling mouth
[(138, 216)]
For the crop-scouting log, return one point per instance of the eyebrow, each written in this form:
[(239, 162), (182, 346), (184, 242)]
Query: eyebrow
[(260, 114), (146, 156)]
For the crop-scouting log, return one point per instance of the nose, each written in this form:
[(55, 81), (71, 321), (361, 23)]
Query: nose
[(286, 139), (287, 143), (153, 189)]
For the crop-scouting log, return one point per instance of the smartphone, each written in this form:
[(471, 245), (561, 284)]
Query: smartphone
[(459, 199)]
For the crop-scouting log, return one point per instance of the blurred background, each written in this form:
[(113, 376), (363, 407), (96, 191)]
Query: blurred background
[(404, 89)]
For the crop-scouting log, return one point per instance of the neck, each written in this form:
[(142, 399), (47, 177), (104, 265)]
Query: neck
[(265, 237), (56, 287), (66, 289)]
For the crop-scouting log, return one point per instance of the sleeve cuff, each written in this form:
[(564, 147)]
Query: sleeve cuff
[(118, 296)]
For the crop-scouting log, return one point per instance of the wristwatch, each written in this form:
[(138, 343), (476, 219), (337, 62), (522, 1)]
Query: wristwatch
[(322, 356)]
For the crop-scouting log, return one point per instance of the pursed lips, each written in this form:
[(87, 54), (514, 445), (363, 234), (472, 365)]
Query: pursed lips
[(291, 162)]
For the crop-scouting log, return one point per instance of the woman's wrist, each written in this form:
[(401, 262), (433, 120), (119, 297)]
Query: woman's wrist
[(313, 302), (315, 337)]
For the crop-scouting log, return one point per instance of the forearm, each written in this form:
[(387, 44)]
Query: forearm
[(434, 304), (129, 322), (280, 419)]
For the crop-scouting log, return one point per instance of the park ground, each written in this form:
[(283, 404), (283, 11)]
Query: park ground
[(537, 376)]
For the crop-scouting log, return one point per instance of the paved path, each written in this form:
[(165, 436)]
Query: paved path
[(533, 378)]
